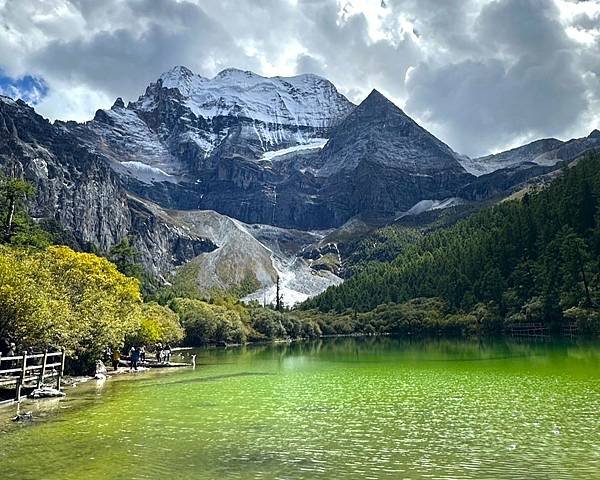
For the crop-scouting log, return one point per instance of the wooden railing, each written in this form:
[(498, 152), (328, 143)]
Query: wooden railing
[(26, 368), (531, 329)]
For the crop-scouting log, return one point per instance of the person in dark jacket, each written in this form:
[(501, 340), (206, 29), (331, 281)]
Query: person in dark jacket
[(134, 358)]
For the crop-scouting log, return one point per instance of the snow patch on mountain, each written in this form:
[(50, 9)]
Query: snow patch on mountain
[(313, 144), (297, 280), (297, 283), (429, 205), (146, 173), (7, 100)]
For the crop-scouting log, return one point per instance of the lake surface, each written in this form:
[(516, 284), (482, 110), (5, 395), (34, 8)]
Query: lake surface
[(338, 408)]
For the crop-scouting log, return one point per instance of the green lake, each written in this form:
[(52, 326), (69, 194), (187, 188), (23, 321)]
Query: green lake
[(363, 408)]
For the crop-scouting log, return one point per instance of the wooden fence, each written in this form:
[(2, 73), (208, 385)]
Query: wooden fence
[(26, 368)]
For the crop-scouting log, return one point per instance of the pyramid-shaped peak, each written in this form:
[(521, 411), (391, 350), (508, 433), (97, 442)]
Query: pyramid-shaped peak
[(377, 131), (376, 95), (594, 133), (377, 101)]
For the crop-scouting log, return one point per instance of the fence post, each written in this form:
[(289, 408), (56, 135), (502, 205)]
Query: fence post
[(43, 372), (21, 377), (62, 369)]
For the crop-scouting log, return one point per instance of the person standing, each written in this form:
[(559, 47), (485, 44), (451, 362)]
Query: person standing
[(167, 353), (142, 354), (12, 352), (116, 359), (134, 358), (159, 353)]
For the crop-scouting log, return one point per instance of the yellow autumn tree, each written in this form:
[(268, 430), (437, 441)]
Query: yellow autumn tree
[(158, 324), (59, 297)]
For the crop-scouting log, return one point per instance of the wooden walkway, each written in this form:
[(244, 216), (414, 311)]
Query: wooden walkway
[(18, 370)]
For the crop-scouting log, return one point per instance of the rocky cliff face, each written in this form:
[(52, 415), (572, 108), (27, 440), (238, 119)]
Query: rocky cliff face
[(77, 188)]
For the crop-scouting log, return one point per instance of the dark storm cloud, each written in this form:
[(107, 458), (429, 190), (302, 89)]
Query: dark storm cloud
[(481, 74)]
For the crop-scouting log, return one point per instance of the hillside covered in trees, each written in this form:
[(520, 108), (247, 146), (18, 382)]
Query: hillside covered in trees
[(532, 259)]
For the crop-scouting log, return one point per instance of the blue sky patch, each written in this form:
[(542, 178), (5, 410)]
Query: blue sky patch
[(28, 88)]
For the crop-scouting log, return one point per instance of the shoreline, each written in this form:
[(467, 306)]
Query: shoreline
[(72, 381)]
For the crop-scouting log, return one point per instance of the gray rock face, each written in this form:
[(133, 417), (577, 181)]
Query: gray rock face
[(78, 189), (379, 132), (379, 162)]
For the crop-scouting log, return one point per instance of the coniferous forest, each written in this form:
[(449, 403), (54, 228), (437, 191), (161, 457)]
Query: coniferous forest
[(531, 259)]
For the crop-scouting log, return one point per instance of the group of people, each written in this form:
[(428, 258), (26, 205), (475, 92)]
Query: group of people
[(163, 352), (137, 355)]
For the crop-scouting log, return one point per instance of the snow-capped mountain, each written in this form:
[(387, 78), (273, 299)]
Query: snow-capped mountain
[(281, 151), (184, 123), (234, 175), (301, 101)]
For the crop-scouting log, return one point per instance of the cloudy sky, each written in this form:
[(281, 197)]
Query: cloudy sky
[(482, 75)]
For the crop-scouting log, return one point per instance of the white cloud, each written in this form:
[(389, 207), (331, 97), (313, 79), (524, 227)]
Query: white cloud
[(447, 63)]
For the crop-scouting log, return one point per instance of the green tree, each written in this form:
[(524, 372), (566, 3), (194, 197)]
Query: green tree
[(16, 225)]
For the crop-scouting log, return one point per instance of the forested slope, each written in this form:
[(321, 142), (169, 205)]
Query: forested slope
[(537, 258)]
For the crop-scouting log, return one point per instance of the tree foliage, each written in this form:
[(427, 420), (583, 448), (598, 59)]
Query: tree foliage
[(16, 226), (58, 297), (158, 324)]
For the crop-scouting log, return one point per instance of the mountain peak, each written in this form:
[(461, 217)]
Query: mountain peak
[(178, 71), (235, 72), (594, 133), (182, 78), (378, 131), (376, 95), (378, 102), (300, 101), (118, 104)]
